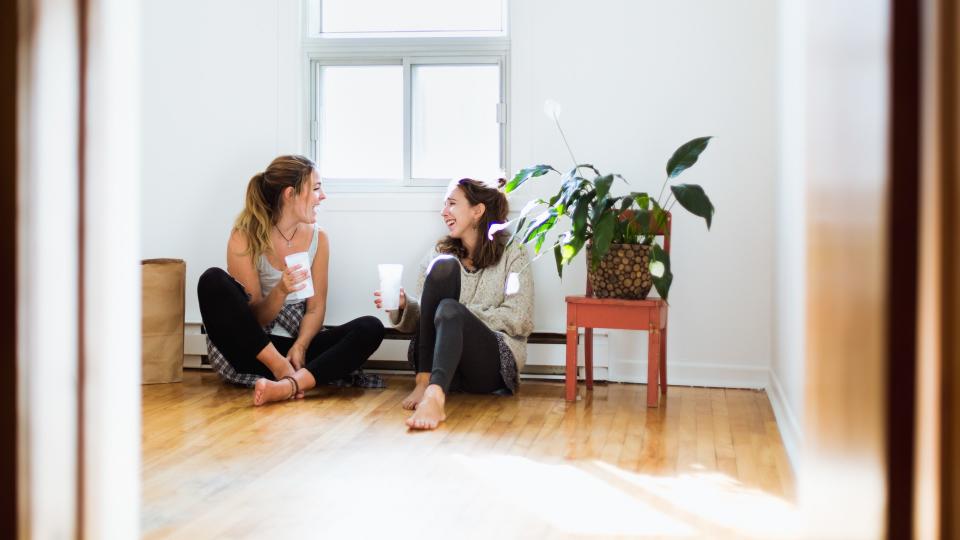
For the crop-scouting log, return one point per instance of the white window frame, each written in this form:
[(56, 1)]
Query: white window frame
[(407, 51)]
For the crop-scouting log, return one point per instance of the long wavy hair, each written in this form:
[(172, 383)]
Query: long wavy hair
[(489, 250), (261, 209)]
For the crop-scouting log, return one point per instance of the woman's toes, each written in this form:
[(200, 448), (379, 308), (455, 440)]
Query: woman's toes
[(258, 390)]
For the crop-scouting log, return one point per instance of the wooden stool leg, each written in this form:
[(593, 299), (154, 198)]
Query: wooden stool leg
[(663, 361), (653, 364), (588, 356), (571, 363)]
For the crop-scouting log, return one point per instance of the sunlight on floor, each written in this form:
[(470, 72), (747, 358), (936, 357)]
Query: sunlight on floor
[(570, 499), (437, 494), (595, 498), (345, 467)]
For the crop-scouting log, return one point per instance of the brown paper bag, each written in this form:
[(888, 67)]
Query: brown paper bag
[(164, 281)]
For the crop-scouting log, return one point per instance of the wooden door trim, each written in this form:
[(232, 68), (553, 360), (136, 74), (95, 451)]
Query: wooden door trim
[(902, 256), (9, 21), (949, 183)]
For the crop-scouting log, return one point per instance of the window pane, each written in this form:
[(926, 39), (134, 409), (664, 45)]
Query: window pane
[(411, 16), (455, 127), (361, 122)]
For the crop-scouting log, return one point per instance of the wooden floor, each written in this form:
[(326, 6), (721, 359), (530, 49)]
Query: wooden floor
[(341, 464)]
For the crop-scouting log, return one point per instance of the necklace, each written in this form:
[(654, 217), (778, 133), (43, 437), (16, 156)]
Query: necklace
[(289, 240)]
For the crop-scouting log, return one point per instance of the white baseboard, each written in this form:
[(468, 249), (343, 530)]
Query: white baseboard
[(787, 421), (683, 374), (194, 343), (538, 354), (695, 374), (391, 350), (193, 361)]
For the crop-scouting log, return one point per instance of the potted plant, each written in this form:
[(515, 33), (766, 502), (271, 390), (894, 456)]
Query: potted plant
[(618, 231)]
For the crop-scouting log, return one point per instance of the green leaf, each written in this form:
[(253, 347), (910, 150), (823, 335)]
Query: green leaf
[(570, 189), (558, 258), (580, 214), (542, 252), (517, 231), (686, 156), (659, 220), (641, 221), (609, 203), (575, 170), (660, 260), (569, 250), (642, 200), (602, 237), (542, 224), (540, 238), (692, 197), (603, 186), (527, 208), (526, 174)]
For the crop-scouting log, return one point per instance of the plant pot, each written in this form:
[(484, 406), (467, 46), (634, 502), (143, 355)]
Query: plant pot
[(624, 272)]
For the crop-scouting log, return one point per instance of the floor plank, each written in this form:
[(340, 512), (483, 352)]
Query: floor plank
[(707, 463)]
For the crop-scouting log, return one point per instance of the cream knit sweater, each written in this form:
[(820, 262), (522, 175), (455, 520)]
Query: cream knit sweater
[(484, 293)]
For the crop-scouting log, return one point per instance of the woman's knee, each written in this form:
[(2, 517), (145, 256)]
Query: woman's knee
[(448, 310), (442, 268), (371, 327), (211, 281)]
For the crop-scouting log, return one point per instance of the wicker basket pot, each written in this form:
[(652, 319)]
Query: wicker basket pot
[(624, 272)]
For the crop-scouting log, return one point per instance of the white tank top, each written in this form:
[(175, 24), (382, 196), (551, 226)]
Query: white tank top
[(270, 277)]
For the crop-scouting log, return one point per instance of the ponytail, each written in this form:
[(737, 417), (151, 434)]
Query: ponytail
[(255, 219), (261, 208)]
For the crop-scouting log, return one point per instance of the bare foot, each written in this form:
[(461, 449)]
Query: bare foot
[(265, 391), (429, 411), (410, 402), (288, 371)]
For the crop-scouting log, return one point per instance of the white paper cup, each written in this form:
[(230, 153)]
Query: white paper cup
[(303, 259), (390, 276)]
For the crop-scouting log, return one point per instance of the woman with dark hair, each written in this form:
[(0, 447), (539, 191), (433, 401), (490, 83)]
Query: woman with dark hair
[(259, 333), (475, 308)]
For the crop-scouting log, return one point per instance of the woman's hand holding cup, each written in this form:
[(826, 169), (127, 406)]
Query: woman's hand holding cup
[(378, 299), (299, 286), (293, 279), (390, 295)]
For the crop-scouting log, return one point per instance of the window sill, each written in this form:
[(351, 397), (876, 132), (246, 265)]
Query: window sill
[(397, 200), (370, 187)]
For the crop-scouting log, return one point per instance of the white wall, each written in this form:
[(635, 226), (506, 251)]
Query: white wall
[(635, 78), (210, 122), (786, 386)]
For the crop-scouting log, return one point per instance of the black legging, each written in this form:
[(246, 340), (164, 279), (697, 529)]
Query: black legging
[(233, 328), (454, 346)]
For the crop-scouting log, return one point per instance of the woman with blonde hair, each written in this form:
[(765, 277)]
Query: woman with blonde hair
[(258, 332), (474, 309)]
